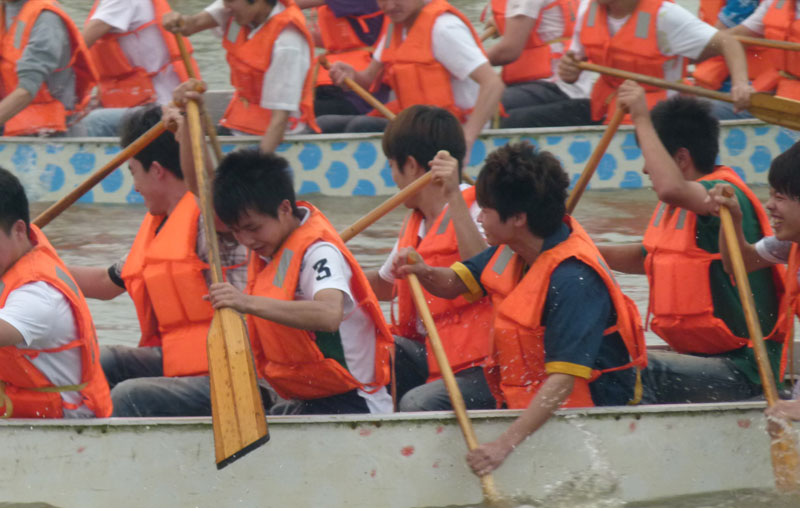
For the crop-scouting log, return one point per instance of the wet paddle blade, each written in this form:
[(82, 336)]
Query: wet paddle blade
[(240, 425), (785, 459), (776, 110)]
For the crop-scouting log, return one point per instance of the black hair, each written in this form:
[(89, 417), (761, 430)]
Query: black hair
[(248, 180), (164, 149), (686, 122), (518, 178), (420, 132), (13, 202), (784, 172)]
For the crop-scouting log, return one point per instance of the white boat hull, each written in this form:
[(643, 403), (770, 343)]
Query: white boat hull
[(354, 165), (407, 460)]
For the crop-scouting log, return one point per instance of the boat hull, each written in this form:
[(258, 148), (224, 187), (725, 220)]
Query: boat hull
[(354, 165), (404, 460)]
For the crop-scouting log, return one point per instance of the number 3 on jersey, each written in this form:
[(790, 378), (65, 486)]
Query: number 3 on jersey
[(323, 272)]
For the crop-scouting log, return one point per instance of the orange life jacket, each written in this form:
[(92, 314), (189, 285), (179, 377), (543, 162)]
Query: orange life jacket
[(633, 48), (410, 67), (164, 277), (289, 358), (709, 10), (464, 327), (516, 367), (44, 113), (249, 59), (789, 306), (681, 306), (713, 72), (341, 42), (31, 394), (780, 25), (536, 60), (121, 84)]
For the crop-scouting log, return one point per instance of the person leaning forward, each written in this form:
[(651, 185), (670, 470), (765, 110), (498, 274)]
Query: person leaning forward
[(694, 306), (166, 275), (49, 364), (572, 341)]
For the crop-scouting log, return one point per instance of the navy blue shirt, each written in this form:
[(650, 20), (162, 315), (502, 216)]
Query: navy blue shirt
[(576, 312)]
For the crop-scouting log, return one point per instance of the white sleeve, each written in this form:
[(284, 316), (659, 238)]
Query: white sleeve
[(324, 267), (575, 45), (218, 12), (118, 14), (41, 314), (682, 33), (755, 21), (282, 87), (773, 250), (455, 48), (530, 8)]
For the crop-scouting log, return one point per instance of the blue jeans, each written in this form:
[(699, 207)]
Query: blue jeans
[(103, 122), (673, 378), (351, 123), (724, 111), (414, 394), (139, 388)]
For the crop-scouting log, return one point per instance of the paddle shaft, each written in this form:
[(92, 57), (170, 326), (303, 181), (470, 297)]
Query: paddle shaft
[(359, 90), (768, 43), (131, 150), (209, 125), (456, 399), (594, 160)]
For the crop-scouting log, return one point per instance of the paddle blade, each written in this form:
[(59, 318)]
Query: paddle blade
[(785, 459), (238, 414), (775, 110)]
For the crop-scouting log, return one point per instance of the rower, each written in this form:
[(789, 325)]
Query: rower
[(317, 330), (430, 55), (564, 335), (138, 62), (653, 37), (347, 31), (781, 248), (49, 364), (694, 306), (442, 228), (46, 75), (166, 275), (269, 50)]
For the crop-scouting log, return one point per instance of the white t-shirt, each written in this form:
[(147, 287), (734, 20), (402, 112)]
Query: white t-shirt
[(43, 316), (775, 251), (145, 48), (755, 21), (679, 32), (324, 267), (456, 49), (282, 88)]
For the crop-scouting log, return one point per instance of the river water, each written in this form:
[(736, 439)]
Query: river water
[(98, 235)]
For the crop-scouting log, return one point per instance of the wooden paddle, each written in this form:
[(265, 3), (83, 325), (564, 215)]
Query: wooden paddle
[(211, 130), (768, 43), (594, 160), (771, 109), (359, 90), (490, 494), (785, 458), (236, 409), (62, 204)]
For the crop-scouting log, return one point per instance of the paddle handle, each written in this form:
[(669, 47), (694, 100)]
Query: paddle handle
[(594, 160), (359, 90), (661, 83), (456, 399), (385, 207), (134, 148), (768, 43), (489, 33)]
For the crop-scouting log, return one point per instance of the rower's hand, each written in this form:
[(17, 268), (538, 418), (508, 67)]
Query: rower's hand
[(631, 96), (487, 457), (223, 294), (568, 69), (172, 116), (444, 172), (741, 93), (402, 264), (717, 197), (191, 89), (340, 71), (173, 22), (784, 410)]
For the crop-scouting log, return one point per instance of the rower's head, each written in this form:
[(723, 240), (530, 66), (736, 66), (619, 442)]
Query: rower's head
[(689, 132), (254, 197), (783, 204), (156, 169), (249, 12), (415, 136), (14, 220), (521, 187), (402, 11)]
